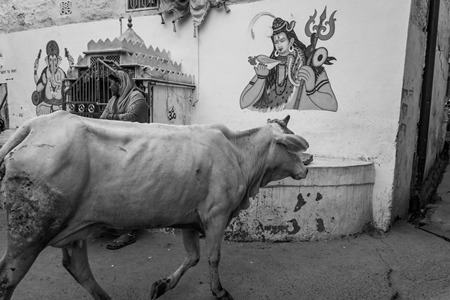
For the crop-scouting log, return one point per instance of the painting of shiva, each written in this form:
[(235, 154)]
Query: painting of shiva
[(293, 77)]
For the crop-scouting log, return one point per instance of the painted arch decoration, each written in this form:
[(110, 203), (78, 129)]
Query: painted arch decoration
[(293, 76)]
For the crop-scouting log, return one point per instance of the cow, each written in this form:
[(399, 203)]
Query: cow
[(66, 175)]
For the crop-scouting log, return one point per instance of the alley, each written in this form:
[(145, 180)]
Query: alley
[(406, 263)]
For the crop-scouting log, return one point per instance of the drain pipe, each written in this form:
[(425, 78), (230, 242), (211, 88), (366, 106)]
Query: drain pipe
[(425, 102), (120, 20)]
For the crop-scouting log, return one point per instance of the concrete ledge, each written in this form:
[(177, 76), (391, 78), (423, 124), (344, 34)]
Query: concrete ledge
[(333, 172), (334, 200)]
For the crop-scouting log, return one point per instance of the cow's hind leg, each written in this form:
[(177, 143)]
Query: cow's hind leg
[(214, 235), (192, 246), (75, 260), (14, 264)]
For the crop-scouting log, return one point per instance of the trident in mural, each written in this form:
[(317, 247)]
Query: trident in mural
[(318, 31), (293, 77)]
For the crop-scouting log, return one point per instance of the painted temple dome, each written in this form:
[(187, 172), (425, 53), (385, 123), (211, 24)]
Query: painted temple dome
[(131, 35)]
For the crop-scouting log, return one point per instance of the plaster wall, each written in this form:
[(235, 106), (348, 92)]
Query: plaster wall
[(366, 78), (20, 15), (410, 113), (410, 109)]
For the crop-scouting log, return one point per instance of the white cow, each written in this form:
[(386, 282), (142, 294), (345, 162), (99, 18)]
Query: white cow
[(66, 175)]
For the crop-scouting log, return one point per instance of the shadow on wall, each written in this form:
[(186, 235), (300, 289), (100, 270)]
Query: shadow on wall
[(4, 115)]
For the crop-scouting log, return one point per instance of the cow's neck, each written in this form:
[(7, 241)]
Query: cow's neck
[(254, 146)]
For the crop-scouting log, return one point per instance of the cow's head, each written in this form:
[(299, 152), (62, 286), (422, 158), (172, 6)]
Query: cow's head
[(285, 153)]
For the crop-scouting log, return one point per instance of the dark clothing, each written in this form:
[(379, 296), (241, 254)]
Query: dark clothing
[(130, 105)]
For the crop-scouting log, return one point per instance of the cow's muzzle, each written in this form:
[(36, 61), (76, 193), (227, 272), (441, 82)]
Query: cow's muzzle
[(301, 175)]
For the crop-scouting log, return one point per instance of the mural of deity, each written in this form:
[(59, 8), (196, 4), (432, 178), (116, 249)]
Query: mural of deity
[(49, 94), (293, 77)]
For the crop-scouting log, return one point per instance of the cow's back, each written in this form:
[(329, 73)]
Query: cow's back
[(45, 154)]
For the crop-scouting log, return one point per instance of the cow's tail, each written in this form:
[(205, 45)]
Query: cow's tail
[(18, 137), (21, 133)]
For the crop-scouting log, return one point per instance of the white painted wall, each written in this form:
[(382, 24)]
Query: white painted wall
[(369, 45), (367, 78)]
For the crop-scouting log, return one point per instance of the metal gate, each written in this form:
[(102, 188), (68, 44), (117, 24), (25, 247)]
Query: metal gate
[(88, 94)]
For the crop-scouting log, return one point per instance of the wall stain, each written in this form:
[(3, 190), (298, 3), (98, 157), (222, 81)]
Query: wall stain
[(404, 111), (296, 227), (238, 231), (300, 203), (274, 229), (320, 226), (319, 197)]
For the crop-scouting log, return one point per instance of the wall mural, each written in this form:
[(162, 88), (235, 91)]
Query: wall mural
[(293, 76), (49, 93)]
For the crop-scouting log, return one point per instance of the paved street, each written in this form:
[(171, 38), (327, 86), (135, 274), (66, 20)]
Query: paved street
[(407, 263)]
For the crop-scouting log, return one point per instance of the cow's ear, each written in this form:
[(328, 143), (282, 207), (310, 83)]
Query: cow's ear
[(293, 143), (286, 120)]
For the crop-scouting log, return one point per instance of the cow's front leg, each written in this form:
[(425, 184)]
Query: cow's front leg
[(16, 262), (192, 246), (76, 262), (214, 235)]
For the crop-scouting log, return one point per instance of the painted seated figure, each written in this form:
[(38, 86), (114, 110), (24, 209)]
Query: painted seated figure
[(293, 77)]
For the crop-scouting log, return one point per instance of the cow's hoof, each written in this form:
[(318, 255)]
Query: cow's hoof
[(158, 288), (225, 296)]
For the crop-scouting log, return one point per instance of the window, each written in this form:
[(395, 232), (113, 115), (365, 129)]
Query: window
[(66, 8), (134, 5)]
